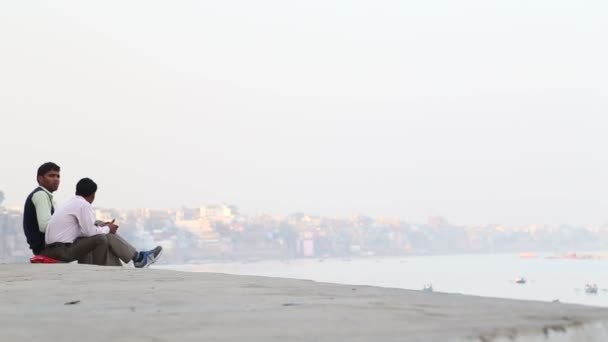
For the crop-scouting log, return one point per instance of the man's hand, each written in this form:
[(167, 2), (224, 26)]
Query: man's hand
[(113, 227), (99, 223)]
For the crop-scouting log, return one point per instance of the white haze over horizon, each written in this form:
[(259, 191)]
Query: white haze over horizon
[(479, 111)]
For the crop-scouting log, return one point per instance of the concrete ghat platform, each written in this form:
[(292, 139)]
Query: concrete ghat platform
[(88, 303)]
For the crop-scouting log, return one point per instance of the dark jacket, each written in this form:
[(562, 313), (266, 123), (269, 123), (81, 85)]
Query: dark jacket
[(35, 238)]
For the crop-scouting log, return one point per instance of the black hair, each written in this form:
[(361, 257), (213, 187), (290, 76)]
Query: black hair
[(47, 167), (85, 187)]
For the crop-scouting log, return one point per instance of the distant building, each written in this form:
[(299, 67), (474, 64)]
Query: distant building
[(220, 212)]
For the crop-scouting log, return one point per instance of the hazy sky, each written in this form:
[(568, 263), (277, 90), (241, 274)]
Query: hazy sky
[(480, 111)]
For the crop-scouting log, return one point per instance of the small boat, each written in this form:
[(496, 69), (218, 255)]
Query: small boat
[(528, 255), (520, 280), (591, 288), (427, 288)]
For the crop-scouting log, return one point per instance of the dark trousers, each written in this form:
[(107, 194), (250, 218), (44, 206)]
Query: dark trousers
[(103, 250), (93, 248), (118, 249)]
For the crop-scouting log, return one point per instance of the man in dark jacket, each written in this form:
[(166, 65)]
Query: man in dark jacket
[(39, 206)]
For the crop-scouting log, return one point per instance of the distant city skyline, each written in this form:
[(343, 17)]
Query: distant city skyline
[(220, 232), (480, 112)]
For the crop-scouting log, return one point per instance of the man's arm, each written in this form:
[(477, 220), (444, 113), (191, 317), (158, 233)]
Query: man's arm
[(42, 203), (86, 220)]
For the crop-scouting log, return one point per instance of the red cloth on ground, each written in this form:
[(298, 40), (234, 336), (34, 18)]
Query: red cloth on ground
[(41, 259)]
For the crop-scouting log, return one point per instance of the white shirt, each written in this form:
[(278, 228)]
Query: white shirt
[(74, 219)]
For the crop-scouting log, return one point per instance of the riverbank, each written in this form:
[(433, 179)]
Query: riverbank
[(87, 303)]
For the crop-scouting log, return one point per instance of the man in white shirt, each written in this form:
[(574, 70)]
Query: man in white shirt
[(73, 234)]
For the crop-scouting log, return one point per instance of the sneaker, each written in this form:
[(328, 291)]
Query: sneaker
[(149, 257)]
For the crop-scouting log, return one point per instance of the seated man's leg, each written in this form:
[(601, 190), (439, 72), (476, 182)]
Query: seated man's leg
[(97, 245), (100, 255), (120, 248), (87, 259), (112, 260)]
